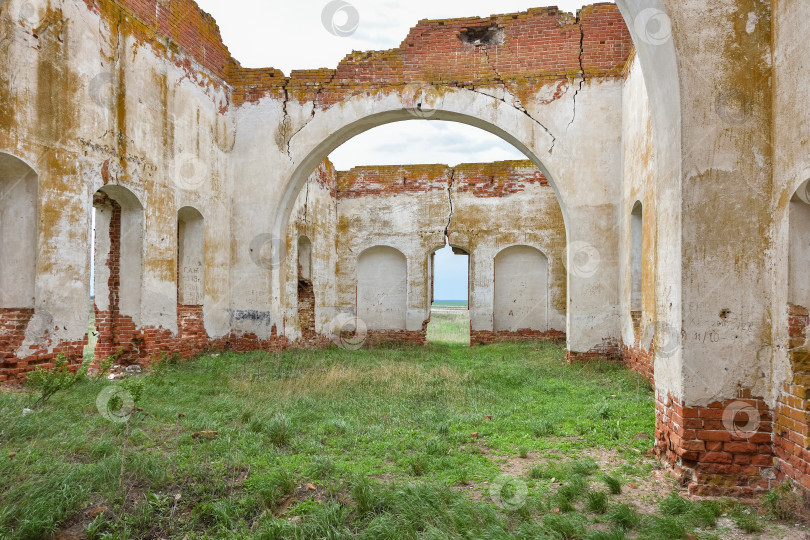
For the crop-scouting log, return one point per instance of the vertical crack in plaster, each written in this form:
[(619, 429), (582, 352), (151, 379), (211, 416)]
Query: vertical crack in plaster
[(285, 120), (306, 208), (581, 72), (449, 200), (517, 103), (314, 107)]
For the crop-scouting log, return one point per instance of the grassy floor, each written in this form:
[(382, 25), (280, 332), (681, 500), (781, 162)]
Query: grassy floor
[(389, 443), (449, 326)]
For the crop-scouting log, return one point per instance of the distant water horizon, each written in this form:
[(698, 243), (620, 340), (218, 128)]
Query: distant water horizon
[(450, 302)]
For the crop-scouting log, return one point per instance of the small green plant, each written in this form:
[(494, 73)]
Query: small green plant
[(584, 467), (367, 497), (674, 505), (523, 451), (596, 502), (664, 528), (624, 516), (278, 430), (419, 464), (106, 364), (323, 467), (613, 534), (613, 484), (747, 521), (576, 487), (545, 428), (705, 514), (565, 527), (271, 488), (48, 382), (783, 502)]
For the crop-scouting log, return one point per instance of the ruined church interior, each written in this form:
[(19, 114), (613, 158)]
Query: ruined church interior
[(659, 218)]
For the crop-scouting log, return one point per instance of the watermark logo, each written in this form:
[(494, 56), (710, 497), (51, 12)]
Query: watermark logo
[(508, 493), (741, 419), (101, 90), (340, 18), (414, 96), (190, 171), (115, 404), (653, 26), (733, 107), (584, 259), (347, 331), (266, 251), (667, 339), (26, 13)]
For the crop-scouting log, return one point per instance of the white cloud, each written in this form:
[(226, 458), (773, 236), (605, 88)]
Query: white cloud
[(422, 141)]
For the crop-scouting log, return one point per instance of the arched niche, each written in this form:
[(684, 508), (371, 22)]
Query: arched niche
[(382, 288), (18, 232), (636, 256), (118, 249), (521, 290), (190, 257)]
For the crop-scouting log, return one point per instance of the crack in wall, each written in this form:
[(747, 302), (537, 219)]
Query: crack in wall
[(306, 207), (581, 72), (449, 200), (520, 107), (311, 115)]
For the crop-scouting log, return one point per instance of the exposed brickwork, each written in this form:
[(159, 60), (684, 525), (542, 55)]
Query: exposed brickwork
[(401, 337), (392, 180), (535, 47), (635, 356), (792, 414), (496, 179), (485, 337), (715, 452), (638, 359), (608, 350), (178, 31), (191, 338), (306, 308), (13, 324)]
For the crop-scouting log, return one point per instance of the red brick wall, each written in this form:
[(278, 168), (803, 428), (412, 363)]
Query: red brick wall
[(715, 451), (485, 337), (400, 337), (539, 46), (306, 307), (13, 323), (392, 180), (179, 23), (496, 179), (792, 414), (608, 350), (635, 356)]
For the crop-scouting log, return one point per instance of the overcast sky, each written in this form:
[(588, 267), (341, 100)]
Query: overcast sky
[(295, 35)]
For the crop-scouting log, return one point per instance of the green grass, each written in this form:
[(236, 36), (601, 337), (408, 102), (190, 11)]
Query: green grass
[(451, 327), (324, 444)]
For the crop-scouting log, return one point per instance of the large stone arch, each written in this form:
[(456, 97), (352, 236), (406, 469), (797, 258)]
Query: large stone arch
[(592, 328)]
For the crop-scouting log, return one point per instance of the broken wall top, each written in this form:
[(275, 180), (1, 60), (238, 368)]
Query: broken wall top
[(517, 50)]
